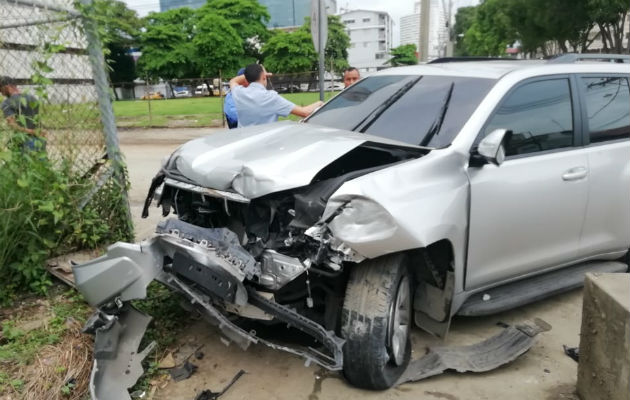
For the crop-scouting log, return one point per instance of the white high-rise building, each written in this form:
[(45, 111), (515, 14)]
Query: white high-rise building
[(438, 32), (370, 39)]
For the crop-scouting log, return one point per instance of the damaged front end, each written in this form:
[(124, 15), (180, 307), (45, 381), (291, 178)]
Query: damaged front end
[(271, 258)]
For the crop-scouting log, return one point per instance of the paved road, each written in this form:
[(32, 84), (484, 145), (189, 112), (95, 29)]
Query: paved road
[(544, 373)]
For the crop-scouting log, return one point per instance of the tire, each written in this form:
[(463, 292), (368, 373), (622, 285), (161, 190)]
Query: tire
[(375, 354)]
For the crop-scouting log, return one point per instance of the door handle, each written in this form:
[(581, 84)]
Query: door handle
[(575, 174)]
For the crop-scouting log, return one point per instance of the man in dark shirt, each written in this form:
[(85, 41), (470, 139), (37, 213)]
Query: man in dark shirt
[(21, 111)]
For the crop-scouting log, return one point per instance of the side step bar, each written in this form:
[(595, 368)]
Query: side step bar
[(516, 294)]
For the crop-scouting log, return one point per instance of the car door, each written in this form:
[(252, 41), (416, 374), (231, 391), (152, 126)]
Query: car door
[(606, 115), (526, 214)]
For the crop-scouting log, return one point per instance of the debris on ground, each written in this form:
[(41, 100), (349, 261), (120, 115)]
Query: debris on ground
[(573, 352), (487, 355), (167, 362), (182, 372), (199, 355), (210, 395)]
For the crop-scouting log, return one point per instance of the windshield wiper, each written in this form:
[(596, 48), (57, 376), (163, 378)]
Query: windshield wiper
[(437, 124), (374, 115)]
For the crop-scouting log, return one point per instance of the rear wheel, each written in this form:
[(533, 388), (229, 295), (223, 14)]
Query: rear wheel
[(376, 321)]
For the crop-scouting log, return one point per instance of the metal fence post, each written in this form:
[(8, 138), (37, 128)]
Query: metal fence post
[(97, 61)]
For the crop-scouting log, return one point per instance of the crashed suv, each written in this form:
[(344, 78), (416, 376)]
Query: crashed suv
[(416, 194)]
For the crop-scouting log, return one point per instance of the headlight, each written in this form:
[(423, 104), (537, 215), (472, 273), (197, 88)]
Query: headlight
[(359, 219)]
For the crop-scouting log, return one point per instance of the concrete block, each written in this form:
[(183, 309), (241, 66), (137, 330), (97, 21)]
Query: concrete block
[(604, 367)]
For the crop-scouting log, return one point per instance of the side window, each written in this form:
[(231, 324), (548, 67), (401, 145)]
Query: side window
[(607, 108), (540, 116)]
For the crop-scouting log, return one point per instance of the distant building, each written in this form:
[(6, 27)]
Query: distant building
[(438, 32), (370, 39), (289, 13), (166, 5)]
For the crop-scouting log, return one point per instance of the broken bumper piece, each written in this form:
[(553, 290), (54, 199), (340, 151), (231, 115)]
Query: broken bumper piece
[(117, 362), (210, 269), (500, 349)]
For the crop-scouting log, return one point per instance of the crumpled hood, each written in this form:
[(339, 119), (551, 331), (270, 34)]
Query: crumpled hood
[(263, 159)]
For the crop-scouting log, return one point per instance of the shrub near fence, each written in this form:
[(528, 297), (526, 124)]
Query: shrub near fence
[(71, 195)]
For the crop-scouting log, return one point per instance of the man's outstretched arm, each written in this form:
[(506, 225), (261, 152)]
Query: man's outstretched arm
[(305, 111)]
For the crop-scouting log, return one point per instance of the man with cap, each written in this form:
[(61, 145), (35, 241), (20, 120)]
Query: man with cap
[(21, 111), (255, 105)]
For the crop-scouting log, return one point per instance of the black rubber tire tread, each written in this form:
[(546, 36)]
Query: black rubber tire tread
[(371, 290)]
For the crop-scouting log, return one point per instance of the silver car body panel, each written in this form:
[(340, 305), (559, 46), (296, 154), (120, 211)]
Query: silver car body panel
[(437, 181), (263, 159), (606, 228), (524, 222)]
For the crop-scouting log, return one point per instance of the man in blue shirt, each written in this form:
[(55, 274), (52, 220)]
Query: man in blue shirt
[(255, 105), (230, 108)]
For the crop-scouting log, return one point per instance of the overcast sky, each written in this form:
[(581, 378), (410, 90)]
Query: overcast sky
[(395, 8)]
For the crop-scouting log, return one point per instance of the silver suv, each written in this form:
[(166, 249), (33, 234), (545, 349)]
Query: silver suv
[(417, 194)]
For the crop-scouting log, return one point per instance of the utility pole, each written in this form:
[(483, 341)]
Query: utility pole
[(425, 20), (319, 32)]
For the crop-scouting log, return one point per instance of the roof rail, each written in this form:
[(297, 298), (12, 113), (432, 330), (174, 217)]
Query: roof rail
[(574, 57), (458, 59)]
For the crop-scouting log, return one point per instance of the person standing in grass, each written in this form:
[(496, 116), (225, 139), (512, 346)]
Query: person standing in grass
[(231, 116), (21, 111), (255, 105)]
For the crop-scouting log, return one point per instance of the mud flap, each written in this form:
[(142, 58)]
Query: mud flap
[(484, 356), (117, 362)]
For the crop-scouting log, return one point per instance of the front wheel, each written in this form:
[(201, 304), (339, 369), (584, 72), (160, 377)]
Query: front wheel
[(376, 321)]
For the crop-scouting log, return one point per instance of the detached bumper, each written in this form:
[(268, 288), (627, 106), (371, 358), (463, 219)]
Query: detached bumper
[(180, 253)]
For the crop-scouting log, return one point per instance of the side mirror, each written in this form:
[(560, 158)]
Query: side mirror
[(491, 148)]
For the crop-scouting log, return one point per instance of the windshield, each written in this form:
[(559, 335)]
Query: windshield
[(420, 110)]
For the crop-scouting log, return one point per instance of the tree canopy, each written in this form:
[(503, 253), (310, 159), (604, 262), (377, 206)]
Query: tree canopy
[(290, 52), (566, 25), (403, 55), (119, 30)]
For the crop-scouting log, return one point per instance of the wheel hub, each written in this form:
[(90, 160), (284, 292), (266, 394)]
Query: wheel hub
[(400, 315)]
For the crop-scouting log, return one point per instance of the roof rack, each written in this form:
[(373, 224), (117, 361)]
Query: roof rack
[(458, 59), (574, 57)]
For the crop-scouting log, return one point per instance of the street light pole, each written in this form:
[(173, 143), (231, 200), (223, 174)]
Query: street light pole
[(322, 44)]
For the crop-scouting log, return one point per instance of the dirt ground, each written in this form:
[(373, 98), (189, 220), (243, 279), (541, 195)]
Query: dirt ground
[(544, 373)]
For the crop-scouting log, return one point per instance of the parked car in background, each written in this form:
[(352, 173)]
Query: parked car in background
[(417, 194), (153, 96), (181, 91), (204, 90), (288, 89)]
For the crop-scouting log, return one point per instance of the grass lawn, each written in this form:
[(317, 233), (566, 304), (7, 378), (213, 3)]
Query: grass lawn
[(194, 112)]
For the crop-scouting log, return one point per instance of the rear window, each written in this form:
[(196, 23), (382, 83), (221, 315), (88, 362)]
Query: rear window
[(420, 110)]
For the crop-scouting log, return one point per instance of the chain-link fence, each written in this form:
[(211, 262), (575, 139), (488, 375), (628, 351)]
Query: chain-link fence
[(198, 102), (50, 54)]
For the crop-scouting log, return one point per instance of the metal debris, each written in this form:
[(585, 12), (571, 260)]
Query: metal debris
[(210, 395), (573, 352), (182, 372)]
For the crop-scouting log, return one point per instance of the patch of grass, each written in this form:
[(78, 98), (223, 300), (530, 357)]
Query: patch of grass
[(19, 347), (191, 112)]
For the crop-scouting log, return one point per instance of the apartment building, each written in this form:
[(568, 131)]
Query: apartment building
[(370, 38)]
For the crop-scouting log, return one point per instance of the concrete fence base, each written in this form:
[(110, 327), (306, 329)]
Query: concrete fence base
[(604, 367)]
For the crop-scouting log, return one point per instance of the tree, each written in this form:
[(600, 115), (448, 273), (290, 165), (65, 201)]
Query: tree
[(167, 45), (290, 52), (610, 17), (491, 31), (294, 52), (217, 46), (463, 20), (119, 30), (403, 55), (247, 18)]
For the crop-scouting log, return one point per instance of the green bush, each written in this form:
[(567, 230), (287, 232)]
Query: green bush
[(40, 216)]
